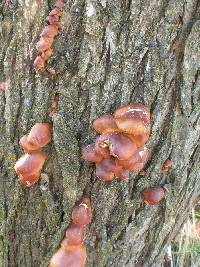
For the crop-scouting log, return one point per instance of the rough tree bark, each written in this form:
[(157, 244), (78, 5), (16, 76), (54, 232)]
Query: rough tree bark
[(113, 52)]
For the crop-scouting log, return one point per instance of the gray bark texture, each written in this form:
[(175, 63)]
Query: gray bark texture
[(108, 53)]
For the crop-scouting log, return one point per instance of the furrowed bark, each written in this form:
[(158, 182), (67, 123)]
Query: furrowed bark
[(108, 53)]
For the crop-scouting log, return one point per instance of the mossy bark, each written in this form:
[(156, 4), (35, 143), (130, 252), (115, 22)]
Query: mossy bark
[(108, 53)]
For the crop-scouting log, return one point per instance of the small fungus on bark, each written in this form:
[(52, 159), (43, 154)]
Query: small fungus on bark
[(166, 166), (153, 195)]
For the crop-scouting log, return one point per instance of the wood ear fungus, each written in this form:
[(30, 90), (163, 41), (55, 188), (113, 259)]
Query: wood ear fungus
[(28, 181), (39, 63), (142, 173), (55, 11), (123, 174), (137, 167), (167, 165), (137, 161), (104, 174), (53, 20), (59, 4), (29, 164), (27, 146), (50, 31), (133, 119), (47, 36), (107, 169), (153, 195), (86, 200), (81, 214), (118, 145), (75, 234), (130, 162), (43, 45), (54, 105), (4, 86), (47, 54), (110, 165), (72, 252), (89, 154), (103, 151), (64, 245), (139, 140), (105, 124), (67, 258), (40, 134)]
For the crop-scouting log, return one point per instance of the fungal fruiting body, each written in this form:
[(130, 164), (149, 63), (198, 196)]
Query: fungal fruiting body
[(50, 31), (120, 148), (44, 45), (107, 169), (46, 54), (153, 195), (72, 252), (27, 146), (142, 173), (75, 234), (137, 161), (59, 4), (117, 145), (54, 105), (82, 212), (89, 154), (28, 181), (39, 63), (40, 134), (29, 166), (105, 124), (133, 119), (69, 258), (139, 140), (4, 86), (166, 166)]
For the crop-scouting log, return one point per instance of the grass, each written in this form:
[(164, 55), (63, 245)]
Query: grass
[(186, 248)]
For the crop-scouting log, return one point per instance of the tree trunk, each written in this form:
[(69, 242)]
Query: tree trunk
[(108, 53)]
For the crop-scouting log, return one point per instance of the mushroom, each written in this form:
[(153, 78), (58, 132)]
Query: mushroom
[(133, 119), (153, 195)]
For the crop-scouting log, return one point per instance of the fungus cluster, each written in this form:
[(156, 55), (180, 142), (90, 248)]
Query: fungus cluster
[(47, 36), (72, 251), (29, 166), (121, 146)]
